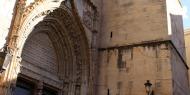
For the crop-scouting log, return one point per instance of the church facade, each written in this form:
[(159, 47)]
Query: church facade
[(92, 47)]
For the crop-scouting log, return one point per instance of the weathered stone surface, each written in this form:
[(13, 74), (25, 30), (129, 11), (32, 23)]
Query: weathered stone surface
[(142, 63), (6, 16), (96, 47)]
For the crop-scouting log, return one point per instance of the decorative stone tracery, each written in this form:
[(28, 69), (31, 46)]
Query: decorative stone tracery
[(90, 15), (68, 39)]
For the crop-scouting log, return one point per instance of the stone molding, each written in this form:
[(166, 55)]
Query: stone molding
[(67, 37)]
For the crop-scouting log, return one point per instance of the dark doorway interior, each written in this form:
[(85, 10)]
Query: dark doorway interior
[(48, 91), (26, 87), (23, 87)]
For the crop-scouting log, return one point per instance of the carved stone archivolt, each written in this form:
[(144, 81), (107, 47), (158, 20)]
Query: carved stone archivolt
[(69, 41), (90, 15)]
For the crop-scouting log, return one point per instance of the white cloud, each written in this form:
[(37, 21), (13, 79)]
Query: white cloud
[(28, 2), (185, 13)]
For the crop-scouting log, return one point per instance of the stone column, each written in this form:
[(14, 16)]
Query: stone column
[(9, 76), (93, 66), (65, 89), (61, 91), (39, 88)]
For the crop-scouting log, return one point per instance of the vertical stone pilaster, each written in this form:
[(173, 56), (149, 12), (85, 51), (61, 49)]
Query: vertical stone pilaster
[(39, 88), (93, 66), (62, 91), (9, 76)]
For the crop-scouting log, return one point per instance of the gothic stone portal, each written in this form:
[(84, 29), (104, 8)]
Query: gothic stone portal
[(54, 53)]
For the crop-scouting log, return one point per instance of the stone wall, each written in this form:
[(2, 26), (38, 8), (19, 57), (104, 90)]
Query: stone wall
[(175, 25), (39, 60), (179, 74), (124, 70), (177, 36), (132, 49), (133, 21), (89, 12), (72, 48)]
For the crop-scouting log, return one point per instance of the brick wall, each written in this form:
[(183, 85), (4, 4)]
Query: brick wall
[(124, 70)]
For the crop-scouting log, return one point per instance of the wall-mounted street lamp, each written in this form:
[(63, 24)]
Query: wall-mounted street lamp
[(148, 88)]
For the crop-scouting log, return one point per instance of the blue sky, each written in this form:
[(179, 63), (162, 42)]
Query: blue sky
[(186, 16)]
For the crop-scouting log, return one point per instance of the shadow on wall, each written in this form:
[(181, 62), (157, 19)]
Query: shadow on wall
[(177, 35)]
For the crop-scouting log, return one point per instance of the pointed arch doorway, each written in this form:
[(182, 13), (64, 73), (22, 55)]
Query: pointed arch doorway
[(55, 55)]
